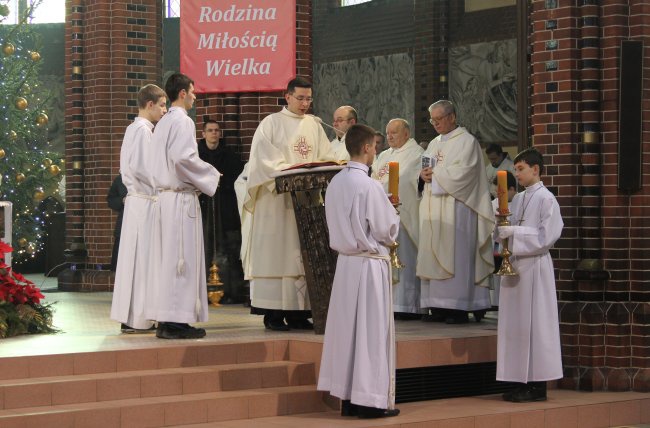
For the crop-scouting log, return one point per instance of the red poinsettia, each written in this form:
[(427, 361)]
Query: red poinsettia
[(15, 288)]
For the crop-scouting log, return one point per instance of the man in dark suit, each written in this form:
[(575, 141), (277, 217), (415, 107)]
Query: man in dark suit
[(221, 225)]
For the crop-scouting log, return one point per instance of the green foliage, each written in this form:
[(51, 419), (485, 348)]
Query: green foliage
[(29, 172), (25, 319)]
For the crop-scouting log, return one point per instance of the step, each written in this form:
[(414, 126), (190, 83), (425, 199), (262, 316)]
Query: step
[(163, 357), (99, 387), (172, 410), (564, 409)]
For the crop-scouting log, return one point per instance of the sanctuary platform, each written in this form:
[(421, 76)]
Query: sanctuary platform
[(241, 375)]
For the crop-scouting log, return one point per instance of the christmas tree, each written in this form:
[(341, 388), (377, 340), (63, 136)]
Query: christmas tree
[(29, 172)]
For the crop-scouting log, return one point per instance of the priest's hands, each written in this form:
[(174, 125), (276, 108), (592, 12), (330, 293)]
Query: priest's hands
[(426, 174), (506, 231)]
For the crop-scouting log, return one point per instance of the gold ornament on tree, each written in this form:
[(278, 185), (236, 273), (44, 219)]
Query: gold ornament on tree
[(41, 120), (39, 194), (2, 153), (54, 169), (13, 136), (20, 177), (35, 56), (8, 49), (21, 103), (22, 242), (47, 162)]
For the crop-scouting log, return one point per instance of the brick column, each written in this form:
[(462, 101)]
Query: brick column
[(115, 48), (601, 259), (431, 61), (74, 123)]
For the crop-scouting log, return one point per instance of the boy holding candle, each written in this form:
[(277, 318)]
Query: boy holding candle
[(358, 361), (528, 348)]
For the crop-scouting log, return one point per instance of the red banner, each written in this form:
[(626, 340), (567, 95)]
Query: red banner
[(238, 46)]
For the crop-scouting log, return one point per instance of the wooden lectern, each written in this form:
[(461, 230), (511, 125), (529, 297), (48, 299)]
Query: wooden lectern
[(307, 187)]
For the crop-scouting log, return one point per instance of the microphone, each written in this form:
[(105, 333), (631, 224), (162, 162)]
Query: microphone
[(319, 120)]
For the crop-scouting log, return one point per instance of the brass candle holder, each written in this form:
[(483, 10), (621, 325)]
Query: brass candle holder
[(395, 262), (214, 295), (506, 268)]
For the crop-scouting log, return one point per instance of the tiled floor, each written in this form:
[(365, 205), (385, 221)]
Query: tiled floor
[(83, 319)]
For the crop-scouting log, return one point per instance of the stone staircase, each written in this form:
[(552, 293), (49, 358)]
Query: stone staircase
[(177, 385)]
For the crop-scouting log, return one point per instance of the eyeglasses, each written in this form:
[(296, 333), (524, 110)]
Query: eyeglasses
[(302, 99), (439, 119), (340, 119)]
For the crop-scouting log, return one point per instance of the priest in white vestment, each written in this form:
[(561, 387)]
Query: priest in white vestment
[(498, 161), (180, 175), (455, 258), (344, 117), (271, 254), (139, 245), (528, 341), (408, 154), (358, 360)]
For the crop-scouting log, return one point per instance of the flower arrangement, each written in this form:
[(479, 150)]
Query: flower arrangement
[(21, 311)]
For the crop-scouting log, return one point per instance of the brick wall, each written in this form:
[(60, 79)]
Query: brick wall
[(239, 114), (113, 47), (601, 260)]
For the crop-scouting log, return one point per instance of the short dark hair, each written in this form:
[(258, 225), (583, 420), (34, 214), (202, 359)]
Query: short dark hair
[(532, 157), (379, 134), (175, 84), (298, 82), (148, 93), (356, 137), (207, 120), (494, 148)]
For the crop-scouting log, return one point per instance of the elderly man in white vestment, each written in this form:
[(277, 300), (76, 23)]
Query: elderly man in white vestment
[(408, 154), (180, 174), (358, 360), (139, 246), (455, 257), (528, 341), (271, 254), (344, 117)]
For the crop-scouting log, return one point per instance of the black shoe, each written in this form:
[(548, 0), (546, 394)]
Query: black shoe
[(173, 330), (407, 316), (479, 315), (302, 324), (276, 325), (366, 412), (349, 409), (436, 315), (507, 396), (457, 317), (532, 391), (130, 330)]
